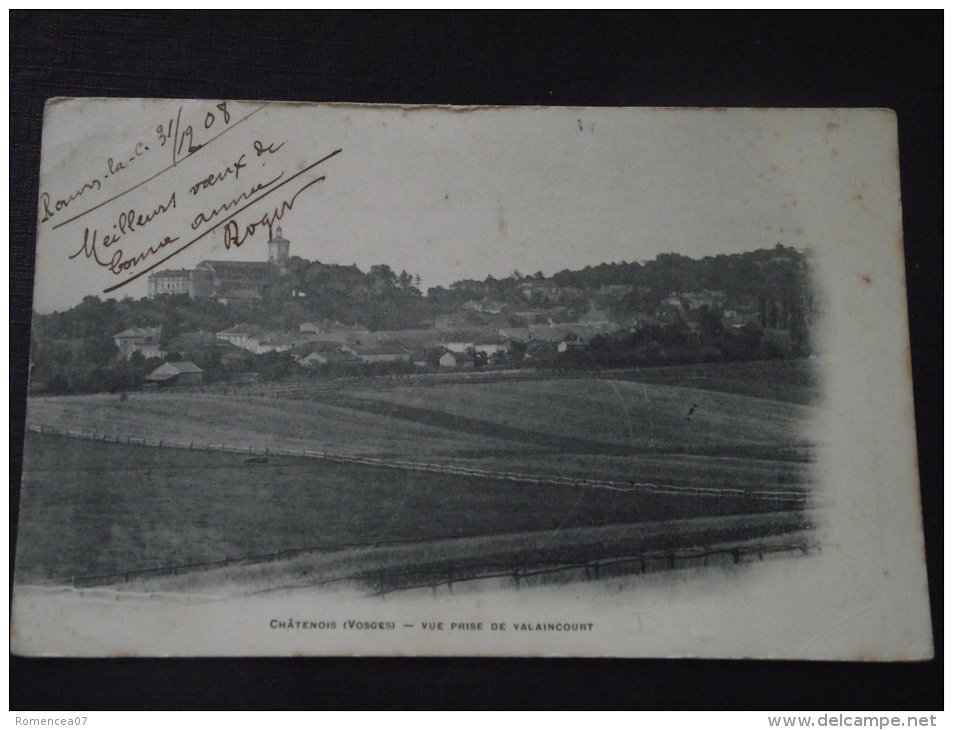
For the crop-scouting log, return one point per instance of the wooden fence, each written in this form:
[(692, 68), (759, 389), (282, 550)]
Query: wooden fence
[(520, 571), (307, 389), (779, 496)]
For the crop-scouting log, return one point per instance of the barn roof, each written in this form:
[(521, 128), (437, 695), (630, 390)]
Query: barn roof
[(170, 369)]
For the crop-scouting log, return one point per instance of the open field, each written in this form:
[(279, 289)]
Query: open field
[(255, 422), (597, 415), (521, 558), (688, 470), (121, 508), (489, 420), (118, 508), (790, 381)]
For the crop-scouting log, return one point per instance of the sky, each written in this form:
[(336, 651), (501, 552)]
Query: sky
[(444, 193)]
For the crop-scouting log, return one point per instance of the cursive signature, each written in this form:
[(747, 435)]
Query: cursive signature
[(231, 230)]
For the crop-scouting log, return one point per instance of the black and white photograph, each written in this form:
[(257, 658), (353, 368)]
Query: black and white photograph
[(334, 379)]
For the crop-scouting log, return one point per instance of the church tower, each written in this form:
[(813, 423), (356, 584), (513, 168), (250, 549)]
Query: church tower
[(278, 250)]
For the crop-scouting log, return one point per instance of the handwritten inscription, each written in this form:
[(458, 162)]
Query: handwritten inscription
[(209, 216), (117, 263), (127, 222), (214, 178), (231, 229), (261, 149), (181, 138), (229, 195), (51, 207), (142, 153)]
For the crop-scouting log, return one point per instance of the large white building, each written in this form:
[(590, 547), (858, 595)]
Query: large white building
[(225, 281)]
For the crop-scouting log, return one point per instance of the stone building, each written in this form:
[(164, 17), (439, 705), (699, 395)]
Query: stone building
[(144, 340), (226, 281)]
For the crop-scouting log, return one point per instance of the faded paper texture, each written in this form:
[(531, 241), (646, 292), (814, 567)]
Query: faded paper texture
[(314, 379)]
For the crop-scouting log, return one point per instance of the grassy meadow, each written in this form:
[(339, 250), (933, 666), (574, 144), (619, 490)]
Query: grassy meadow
[(789, 381), (603, 415), (92, 508), (252, 422)]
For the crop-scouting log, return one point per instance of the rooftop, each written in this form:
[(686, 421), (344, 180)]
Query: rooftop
[(169, 370), (141, 333)]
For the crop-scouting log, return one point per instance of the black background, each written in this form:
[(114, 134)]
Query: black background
[(632, 59)]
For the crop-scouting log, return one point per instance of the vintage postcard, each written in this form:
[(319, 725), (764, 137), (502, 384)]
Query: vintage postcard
[(334, 379)]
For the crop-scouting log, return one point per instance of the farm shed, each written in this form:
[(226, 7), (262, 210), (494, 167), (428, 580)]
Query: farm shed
[(385, 351), (176, 373)]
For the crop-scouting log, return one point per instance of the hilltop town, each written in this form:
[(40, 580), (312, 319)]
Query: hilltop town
[(289, 318)]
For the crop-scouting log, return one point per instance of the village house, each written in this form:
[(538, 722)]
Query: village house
[(411, 339), (616, 291), (144, 340), (708, 297), (570, 343), (326, 353), (277, 341), (385, 351), (490, 347), (241, 335), (540, 291), (462, 360), (460, 343), (485, 306), (253, 339), (331, 327), (544, 290)]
